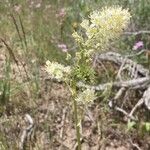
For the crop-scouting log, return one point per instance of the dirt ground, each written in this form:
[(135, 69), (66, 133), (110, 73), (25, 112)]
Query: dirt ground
[(51, 110)]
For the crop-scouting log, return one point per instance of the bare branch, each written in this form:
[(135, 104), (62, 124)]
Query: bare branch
[(118, 59), (132, 84), (137, 33), (146, 97), (125, 113), (120, 93), (26, 132)]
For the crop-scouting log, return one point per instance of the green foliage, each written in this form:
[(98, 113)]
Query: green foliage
[(131, 125), (84, 73), (147, 126), (42, 26), (5, 85)]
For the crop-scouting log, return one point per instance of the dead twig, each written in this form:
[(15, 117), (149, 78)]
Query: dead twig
[(119, 93), (146, 98), (120, 70), (137, 53), (117, 96), (26, 132), (135, 145), (139, 103), (137, 33), (125, 113), (62, 126), (63, 122), (116, 58), (132, 84)]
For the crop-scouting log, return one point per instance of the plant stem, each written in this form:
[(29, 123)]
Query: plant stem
[(75, 107), (76, 124)]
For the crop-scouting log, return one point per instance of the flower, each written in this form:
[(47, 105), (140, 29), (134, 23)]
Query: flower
[(63, 47), (61, 13), (57, 71), (17, 8), (38, 5), (77, 37), (138, 45), (86, 97), (102, 27)]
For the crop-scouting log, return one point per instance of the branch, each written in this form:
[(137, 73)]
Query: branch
[(138, 104), (137, 33), (139, 83), (125, 113), (146, 98), (118, 59), (27, 131)]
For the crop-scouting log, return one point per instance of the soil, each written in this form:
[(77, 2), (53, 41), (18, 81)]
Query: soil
[(102, 128)]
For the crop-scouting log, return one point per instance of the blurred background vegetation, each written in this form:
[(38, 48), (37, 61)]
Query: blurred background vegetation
[(35, 28)]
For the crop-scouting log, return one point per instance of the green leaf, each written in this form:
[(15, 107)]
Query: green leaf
[(131, 124), (147, 126)]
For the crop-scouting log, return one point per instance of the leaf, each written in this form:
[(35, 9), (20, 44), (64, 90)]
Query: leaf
[(147, 126), (131, 125)]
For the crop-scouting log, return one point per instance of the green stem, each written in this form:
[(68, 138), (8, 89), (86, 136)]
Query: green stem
[(77, 126)]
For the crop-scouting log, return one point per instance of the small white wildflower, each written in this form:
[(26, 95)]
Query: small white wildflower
[(77, 37), (102, 27), (86, 97), (85, 24), (57, 70)]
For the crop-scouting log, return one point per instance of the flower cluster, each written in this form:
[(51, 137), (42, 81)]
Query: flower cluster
[(139, 45), (57, 71), (86, 97), (102, 27), (61, 13), (63, 47)]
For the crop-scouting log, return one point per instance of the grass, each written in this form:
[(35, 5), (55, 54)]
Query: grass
[(30, 35)]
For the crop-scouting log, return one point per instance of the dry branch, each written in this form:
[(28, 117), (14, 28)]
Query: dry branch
[(26, 132), (146, 97), (139, 83), (137, 33), (118, 59)]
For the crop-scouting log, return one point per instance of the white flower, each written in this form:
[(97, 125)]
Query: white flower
[(77, 37), (86, 97), (57, 71), (102, 27)]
